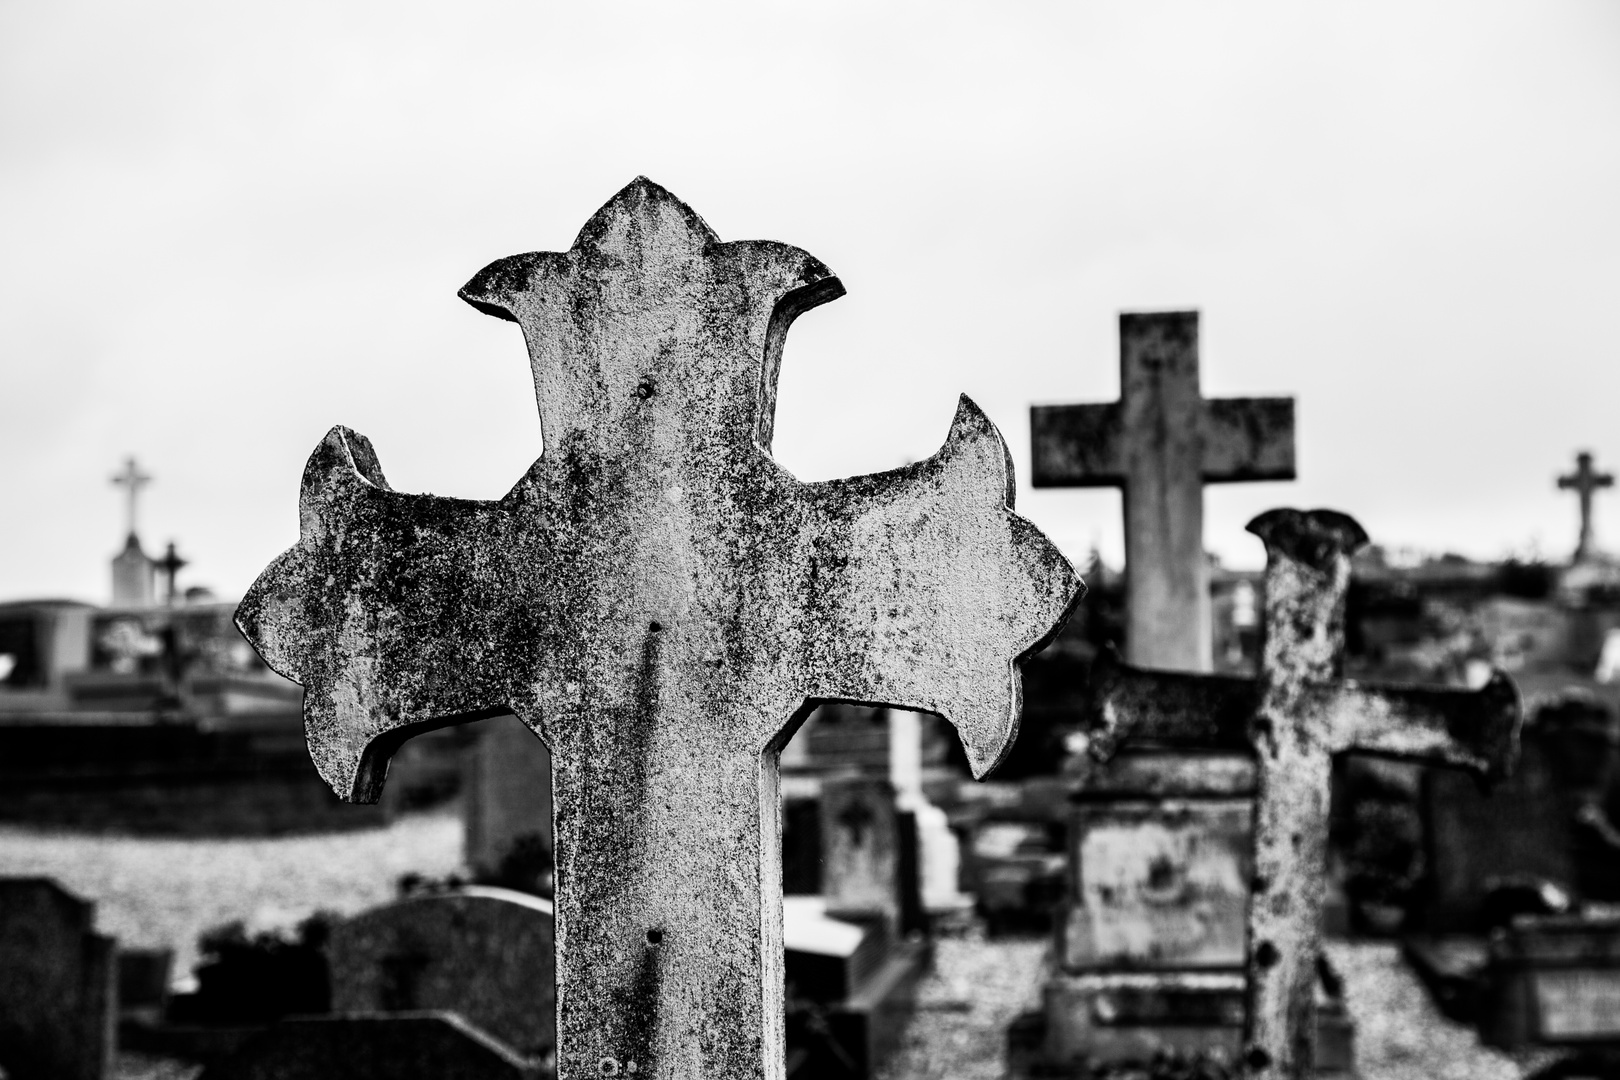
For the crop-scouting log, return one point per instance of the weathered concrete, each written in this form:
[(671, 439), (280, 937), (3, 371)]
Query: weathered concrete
[(660, 602), (1584, 481), (1161, 442), (1294, 719)]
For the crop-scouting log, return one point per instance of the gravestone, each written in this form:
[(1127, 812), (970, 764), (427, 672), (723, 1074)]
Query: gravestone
[(662, 603), (390, 1046), (1585, 481), (1554, 980), (1292, 719), (58, 1000), (860, 834), (484, 954), (1160, 443), (1548, 823)]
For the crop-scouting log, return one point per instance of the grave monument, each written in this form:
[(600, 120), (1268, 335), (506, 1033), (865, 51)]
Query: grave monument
[(1293, 719), (662, 603)]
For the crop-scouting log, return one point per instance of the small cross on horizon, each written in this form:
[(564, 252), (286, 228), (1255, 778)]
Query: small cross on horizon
[(133, 479), (1584, 481)]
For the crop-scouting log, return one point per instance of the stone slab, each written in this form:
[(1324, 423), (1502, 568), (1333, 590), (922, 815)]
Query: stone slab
[(58, 996), (485, 954)]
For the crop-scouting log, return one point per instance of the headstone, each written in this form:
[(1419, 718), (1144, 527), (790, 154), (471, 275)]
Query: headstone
[(58, 999), (662, 603), (939, 855), (1554, 980), (1161, 442), (1549, 822), (861, 835), (1293, 719), (1585, 481), (506, 802), (390, 1046), (485, 954)]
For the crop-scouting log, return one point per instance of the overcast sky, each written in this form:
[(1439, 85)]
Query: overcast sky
[(226, 227)]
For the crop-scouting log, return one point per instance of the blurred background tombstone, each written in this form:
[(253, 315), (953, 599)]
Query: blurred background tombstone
[(482, 953), (58, 998)]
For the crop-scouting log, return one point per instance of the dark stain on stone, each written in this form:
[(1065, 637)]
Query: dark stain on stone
[(1266, 955)]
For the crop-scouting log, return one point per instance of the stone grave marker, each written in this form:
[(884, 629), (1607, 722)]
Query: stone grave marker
[(387, 1046), (1160, 443), (58, 997), (484, 954), (1585, 481), (1293, 718), (1176, 963), (861, 834), (662, 603), (1549, 822)]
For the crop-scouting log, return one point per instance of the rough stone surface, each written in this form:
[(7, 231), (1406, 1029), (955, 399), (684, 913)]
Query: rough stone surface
[(484, 954), (1161, 442), (57, 997), (400, 1046), (660, 602), (1298, 716)]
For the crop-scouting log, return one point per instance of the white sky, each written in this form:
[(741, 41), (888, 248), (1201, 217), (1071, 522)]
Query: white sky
[(226, 227)]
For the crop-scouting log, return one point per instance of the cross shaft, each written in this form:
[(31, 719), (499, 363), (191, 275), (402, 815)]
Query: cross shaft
[(1294, 718), (1161, 442)]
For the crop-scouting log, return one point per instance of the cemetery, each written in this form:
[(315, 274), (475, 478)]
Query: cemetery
[(668, 764)]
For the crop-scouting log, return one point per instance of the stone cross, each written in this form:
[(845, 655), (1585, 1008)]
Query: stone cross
[(1161, 442), (131, 479), (171, 564), (662, 603), (1584, 481), (1294, 718)]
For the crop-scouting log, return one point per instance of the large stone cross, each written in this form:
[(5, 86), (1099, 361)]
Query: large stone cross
[(662, 603), (1584, 481), (132, 480), (1161, 442), (1294, 718)]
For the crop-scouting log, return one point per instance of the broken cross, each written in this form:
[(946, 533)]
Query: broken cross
[(661, 602), (1294, 718), (1161, 442)]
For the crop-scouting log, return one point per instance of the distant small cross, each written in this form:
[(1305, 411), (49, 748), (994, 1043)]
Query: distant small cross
[(1584, 481), (1160, 443), (171, 564), (132, 479)]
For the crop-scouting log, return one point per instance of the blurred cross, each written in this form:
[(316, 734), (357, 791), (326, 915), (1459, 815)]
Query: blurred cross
[(662, 603), (133, 480), (1584, 481), (1161, 442), (1294, 718), (170, 564)]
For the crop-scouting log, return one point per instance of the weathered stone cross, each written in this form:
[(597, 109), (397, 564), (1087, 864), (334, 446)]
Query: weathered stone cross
[(662, 603), (1584, 481), (1294, 718), (1161, 442)]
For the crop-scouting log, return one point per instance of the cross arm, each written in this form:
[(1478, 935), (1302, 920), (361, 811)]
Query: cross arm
[(1077, 445), (359, 612), (935, 590), (1248, 439), (1475, 730), (1129, 702)]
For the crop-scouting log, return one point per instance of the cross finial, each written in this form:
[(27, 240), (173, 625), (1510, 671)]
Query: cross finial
[(132, 479), (1584, 481)]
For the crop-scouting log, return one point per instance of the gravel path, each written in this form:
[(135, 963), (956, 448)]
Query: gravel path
[(162, 892)]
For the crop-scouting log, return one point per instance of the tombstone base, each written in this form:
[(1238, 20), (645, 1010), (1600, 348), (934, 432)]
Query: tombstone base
[(1096, 1020), (854, 1037)]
